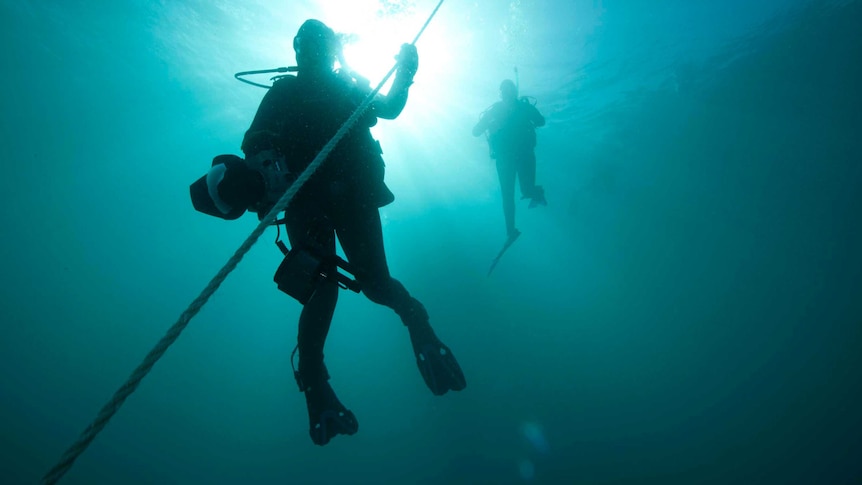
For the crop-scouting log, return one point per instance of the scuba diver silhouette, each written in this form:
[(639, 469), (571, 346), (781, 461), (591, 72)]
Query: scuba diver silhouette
[(341, 201), (510, 125)]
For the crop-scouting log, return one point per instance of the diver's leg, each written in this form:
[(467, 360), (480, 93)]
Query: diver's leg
[(306, 226), (527, 173), (326, 415), (361, 236), (527, 178), (506, 173), (314, 322)]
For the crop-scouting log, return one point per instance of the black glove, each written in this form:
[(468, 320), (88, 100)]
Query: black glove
[(408, 61)]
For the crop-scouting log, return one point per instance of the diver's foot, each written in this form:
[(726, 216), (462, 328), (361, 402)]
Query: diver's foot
[(538, 197), (436, 362), (327, 417)]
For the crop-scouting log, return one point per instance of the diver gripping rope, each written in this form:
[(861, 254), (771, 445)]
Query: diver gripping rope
[(120, 396)]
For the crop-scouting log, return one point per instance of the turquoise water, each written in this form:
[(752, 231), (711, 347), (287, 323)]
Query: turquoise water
[(685, 310)]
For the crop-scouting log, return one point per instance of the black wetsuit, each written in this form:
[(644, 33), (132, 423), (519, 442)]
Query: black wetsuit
[(512, 141), (341, 199)]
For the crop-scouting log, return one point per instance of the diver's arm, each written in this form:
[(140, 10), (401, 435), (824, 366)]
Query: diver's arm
[(260, 134), (390, 106), (482, 125), (536, 118)]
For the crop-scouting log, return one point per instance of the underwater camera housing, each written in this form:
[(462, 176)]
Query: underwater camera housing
[(234, 185), (303, 270)]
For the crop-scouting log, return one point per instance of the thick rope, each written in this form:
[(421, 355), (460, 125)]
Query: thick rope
[(120, 396)]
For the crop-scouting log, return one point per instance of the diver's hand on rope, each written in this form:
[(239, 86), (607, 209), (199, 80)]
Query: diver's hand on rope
[(408, 62)]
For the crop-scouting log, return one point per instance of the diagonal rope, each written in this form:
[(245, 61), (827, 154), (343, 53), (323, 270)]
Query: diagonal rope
[(120, 396)]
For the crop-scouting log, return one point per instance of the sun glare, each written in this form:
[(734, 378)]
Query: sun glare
[(427, 146), (373, 35)]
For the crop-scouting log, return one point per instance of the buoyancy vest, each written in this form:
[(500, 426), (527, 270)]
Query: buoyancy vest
[(304, 114)]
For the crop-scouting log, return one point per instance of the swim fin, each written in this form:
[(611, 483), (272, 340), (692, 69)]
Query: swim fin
[(436, 362), (327, 417), (509, 241)]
